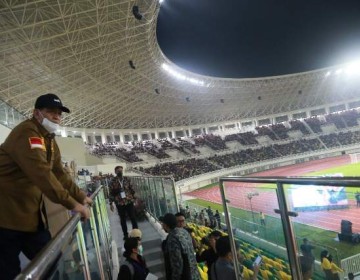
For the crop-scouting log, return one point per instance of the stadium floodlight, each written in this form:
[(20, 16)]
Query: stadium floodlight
[(353, 68), (339, 71), (180, 76), (160, 1), (328, 74)]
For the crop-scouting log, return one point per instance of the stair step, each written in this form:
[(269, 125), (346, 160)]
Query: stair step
[(152, 250), (153, 256), (154, 262), (160, 275), (151, 243), (158, 268)]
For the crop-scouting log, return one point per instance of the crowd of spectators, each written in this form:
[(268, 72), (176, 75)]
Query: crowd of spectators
[(315, 124), (298, 125), (245, 138), (341, 139), (192, 167), (215, 142), (343, 119), (113, 149), (186, 168), (187, 145), (128, 153), (266, 130), (167, 144), (149, 147), (280, 130), (181, 169)]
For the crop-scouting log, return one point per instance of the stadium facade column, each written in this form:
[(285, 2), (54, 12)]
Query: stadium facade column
[(83, 136), (156, 134), (103, 137), (189, 132), (139, 136), (121, 135), (64, 132)]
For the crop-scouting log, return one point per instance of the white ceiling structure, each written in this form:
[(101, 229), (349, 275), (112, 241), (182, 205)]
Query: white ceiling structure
[(80, 50)]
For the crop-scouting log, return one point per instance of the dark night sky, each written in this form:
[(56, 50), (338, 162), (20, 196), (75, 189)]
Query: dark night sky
[(258, 38)]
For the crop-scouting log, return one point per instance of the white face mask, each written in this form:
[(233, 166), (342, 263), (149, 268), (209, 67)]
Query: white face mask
[(140, 250), (50, 126)]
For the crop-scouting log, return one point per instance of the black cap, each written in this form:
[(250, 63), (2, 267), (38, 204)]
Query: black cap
[(169, 220), (50, 100), (215, 233)]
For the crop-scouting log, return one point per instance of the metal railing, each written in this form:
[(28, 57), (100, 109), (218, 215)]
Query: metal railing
[(69, 251), (157, 193), (284, 210)]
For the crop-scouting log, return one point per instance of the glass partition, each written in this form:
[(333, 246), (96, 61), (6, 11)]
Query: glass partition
[(9, 116), (292, 223), (81, 250), (156, 193), (287, 221)]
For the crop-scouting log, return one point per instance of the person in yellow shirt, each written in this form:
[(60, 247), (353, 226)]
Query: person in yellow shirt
[(330, 269), (334, 268), (262, 218)]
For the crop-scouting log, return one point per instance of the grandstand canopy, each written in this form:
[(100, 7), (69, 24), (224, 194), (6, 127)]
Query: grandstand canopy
[(107, 67)]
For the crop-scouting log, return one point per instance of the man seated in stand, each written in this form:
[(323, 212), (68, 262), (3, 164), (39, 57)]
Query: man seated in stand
[(223, 268), (208, 255)]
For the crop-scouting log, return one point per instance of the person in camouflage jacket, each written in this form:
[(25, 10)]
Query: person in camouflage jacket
[(180, 261)]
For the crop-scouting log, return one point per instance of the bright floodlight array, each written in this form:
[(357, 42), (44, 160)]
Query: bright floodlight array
[(349, 69), (181, 76)]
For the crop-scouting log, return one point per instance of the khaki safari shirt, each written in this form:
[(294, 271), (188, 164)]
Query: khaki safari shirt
[(30, 165)]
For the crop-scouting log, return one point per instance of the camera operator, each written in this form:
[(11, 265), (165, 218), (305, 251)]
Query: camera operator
[(208, 255)]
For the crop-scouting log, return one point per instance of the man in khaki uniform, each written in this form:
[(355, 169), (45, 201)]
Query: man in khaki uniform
[(30, 167)]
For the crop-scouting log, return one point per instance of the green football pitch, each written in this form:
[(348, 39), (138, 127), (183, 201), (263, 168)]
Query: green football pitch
[(321, 238)]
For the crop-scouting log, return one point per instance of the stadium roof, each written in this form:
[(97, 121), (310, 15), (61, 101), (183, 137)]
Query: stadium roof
[(107, 67)]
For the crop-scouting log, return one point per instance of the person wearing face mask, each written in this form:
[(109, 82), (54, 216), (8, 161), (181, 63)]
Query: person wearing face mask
[(123, 195), (31, 168), (134, 266), (136, 233)]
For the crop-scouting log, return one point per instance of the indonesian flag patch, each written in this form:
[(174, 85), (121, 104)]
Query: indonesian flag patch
[(37, 143)]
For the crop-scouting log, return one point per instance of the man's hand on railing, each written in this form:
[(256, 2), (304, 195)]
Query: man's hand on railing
[(83, 210), (88, 201)]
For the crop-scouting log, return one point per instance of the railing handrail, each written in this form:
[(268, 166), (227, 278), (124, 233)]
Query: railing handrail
[(42, 263), (333, 181), (286, 223), (151, 176)]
